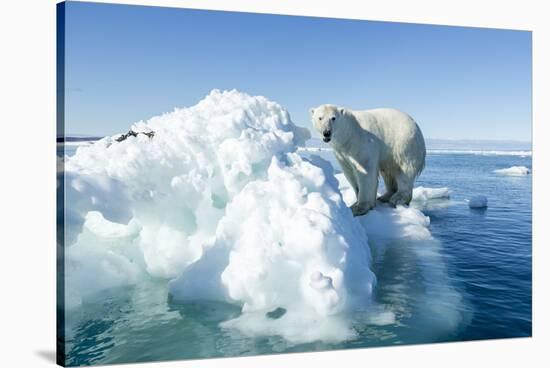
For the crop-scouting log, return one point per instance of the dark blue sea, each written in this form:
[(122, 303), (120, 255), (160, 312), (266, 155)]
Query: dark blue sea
[(484, 255)]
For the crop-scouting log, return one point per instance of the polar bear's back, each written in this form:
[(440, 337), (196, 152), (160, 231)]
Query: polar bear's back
[(402, 138)]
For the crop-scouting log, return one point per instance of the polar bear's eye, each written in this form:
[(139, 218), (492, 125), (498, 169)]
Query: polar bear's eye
[(333, 118), (320, 118)]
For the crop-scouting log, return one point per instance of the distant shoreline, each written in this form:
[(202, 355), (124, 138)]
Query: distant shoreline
[(77, 139), (488, 152)]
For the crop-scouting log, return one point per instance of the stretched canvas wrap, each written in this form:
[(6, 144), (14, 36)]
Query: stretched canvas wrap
[(235, 184)]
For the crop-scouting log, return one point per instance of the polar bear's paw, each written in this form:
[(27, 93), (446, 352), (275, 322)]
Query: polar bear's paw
[(400, 198), (385, 197), (360, 209)]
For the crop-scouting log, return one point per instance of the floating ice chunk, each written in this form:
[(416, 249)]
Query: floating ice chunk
[(514, 171), (479, 201), (423, 194)]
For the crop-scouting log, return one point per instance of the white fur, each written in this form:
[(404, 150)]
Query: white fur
[(372, 142)]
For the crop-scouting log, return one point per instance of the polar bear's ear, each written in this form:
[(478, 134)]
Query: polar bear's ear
[(312, 111), (342, 110)]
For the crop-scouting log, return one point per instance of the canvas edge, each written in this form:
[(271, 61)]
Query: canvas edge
[(60, 191)]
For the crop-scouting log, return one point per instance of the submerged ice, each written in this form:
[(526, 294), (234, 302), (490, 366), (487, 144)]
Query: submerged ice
[(219, 204)]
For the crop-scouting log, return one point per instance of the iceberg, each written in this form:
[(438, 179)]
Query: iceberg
[(219, 204)]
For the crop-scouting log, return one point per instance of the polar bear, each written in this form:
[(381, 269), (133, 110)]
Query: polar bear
[(369, 142)]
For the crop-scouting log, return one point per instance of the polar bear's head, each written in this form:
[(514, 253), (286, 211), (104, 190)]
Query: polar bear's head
[(325, 119)]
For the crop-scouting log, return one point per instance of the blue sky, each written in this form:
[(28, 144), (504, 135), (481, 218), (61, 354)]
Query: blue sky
[(128, 63)]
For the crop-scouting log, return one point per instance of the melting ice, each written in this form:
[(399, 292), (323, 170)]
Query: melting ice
[(219, 204)]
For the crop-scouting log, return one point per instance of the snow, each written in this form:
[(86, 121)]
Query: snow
[(514, 171), (219, 204), (345, 188), (286, 242), (478, 201)]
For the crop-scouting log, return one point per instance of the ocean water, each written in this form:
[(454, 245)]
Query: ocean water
[(472, 282)]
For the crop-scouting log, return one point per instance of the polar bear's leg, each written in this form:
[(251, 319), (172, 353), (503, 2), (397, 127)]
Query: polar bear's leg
[(403, 196), (391, 186), (366, 198), (350, 175)]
